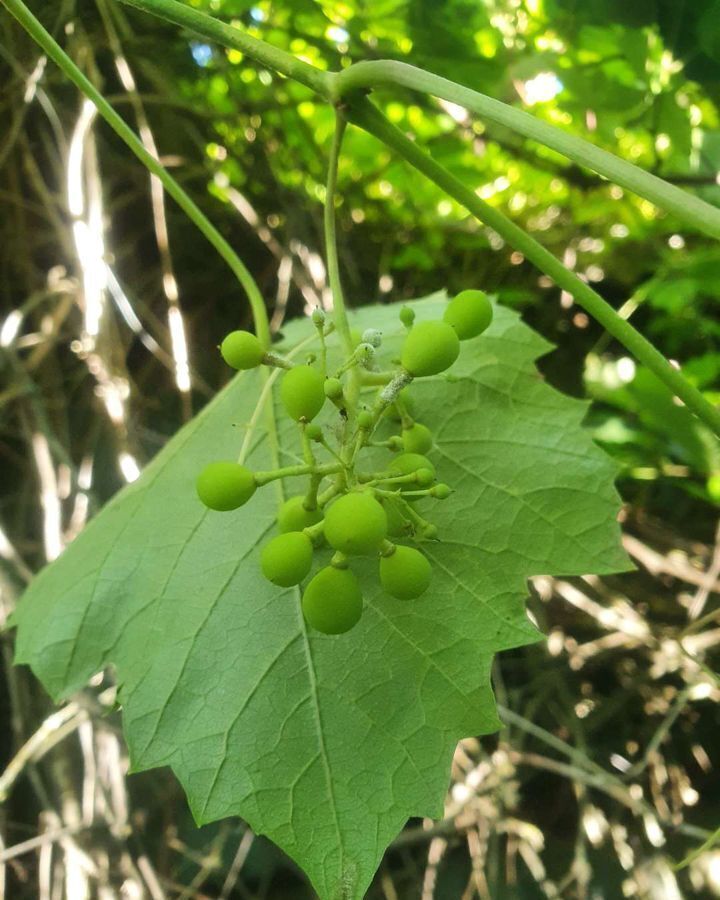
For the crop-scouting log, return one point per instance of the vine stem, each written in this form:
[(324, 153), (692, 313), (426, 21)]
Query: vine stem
[(382, 73), (331, 251), (45, 40), (361, 112)]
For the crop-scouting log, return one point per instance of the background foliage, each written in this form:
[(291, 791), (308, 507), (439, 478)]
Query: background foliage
[(95, 381)]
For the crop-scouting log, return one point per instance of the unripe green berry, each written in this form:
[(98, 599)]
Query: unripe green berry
[(441, 491), (395, 443), (356, 524), (425, 477), (302, 393), (225, 485), (417, 439), (469, 313), (293, 515), (407, 463), (407, 316), (332, 602), (314, 432), (405, 573), (287, 559), (430, 348), (365, 419), (333, 388), (430, 532), (242, 350)]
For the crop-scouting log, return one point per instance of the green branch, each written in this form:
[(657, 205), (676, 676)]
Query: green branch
[(229, 36), (331, 250), (45, 40), (383, 73), (361, 112)]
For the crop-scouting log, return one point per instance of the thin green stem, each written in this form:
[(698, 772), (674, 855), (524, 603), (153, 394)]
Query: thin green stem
[(45, 40), (331, 251), (381, 73), (229, 36), (361, 112), (263, 478)]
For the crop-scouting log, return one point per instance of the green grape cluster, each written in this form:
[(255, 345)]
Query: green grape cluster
[(349, 509)]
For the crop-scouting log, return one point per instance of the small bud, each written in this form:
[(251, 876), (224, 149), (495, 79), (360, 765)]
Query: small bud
[(407, 316), (395, 443), (365, 420), (373, 337), (441, 491), (333, 388), (318, 317), (365, 352)]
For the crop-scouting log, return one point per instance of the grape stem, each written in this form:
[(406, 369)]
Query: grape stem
[(263, 478)]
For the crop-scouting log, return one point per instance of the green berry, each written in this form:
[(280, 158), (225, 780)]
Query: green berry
[(314, 432), (469, 313), (225, 485), (406, 464), (294, 516), (356, 524), (430, 348), (441, 491), (242, 350), (318, 317), (365, 419), (407, 316), (395, 443), (332, 602), (302, 393), (417, 439), (287, 559), (333, 388), (430, 532), (425, 477), (405, 573)]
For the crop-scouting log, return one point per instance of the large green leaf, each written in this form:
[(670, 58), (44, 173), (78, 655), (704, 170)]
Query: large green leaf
[(326, 744)]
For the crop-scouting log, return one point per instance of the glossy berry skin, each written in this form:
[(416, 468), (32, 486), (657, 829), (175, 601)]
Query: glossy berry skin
[(332, 602), (405, 574), (430, 348), (469, 313), (242, 350), (224, 486), (292, 515), (417, 439), (287, 559), (356, 524), (302, 393), (406, 463)]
